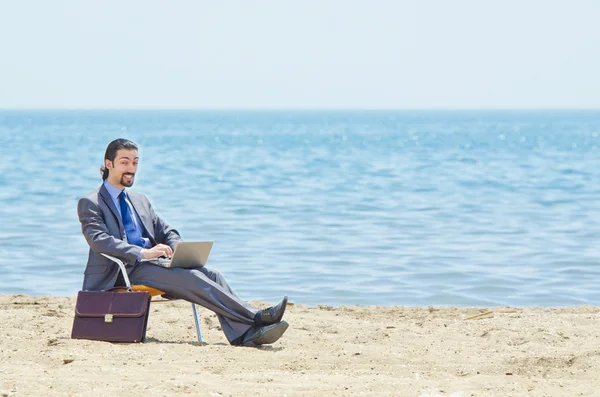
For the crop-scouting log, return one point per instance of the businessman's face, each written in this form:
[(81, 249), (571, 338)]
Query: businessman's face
[(121, 172)]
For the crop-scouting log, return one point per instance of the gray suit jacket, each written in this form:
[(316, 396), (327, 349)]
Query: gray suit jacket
[(103, 229)]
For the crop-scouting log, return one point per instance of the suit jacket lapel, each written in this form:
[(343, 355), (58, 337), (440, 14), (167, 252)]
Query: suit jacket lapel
[(109, 202)]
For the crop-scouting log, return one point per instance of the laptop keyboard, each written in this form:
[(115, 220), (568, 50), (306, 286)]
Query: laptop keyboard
[(163, 262)]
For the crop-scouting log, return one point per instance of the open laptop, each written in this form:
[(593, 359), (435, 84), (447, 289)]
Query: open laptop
[(186, 255)]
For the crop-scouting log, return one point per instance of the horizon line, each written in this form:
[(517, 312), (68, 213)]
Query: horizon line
[(331, 109)]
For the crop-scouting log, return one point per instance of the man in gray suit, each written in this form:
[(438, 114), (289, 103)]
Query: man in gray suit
[(123, 224)]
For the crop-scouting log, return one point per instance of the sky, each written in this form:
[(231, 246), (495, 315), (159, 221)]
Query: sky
[(324, 54)]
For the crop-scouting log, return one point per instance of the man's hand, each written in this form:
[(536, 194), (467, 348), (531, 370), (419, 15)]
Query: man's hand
[(156, 251)]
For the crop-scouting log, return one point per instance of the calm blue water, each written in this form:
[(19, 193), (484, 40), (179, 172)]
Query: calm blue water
[(375, 208)]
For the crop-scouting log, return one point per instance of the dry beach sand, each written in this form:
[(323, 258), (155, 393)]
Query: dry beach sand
[(327, 351)]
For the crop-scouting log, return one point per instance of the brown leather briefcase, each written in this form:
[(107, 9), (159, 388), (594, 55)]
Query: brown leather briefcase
[(111, 316)]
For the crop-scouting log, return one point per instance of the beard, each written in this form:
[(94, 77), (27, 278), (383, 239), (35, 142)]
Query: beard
[(127, 183)]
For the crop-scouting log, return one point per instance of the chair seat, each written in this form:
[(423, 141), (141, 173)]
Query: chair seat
[(144, 288)]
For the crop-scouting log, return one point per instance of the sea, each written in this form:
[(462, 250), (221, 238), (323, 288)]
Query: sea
[(355, 207)]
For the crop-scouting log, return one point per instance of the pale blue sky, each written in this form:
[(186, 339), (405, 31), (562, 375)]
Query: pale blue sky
[(299, 54)]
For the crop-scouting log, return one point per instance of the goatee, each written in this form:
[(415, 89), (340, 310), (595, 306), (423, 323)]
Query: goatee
[(125, 182)]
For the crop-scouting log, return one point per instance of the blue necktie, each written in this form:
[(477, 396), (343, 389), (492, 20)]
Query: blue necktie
[(134, 235)]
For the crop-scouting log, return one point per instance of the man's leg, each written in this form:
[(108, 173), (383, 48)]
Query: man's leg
[(204, 287), (229, 326)]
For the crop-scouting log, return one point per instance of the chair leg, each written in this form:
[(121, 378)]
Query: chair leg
[(197, 319)]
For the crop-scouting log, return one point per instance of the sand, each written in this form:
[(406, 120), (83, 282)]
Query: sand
[(327, 351)]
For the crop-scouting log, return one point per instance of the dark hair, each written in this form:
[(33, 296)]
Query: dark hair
[(111, 152)]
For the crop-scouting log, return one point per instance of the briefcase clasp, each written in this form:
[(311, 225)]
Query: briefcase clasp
[(108, 318)]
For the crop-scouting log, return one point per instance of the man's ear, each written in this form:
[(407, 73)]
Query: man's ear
[(108, 163)]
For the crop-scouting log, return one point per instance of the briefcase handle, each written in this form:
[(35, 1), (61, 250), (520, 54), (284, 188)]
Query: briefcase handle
[(122, 267)]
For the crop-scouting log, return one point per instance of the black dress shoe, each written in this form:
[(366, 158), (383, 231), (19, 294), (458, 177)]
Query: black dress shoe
[(257, 336), (271, 315)]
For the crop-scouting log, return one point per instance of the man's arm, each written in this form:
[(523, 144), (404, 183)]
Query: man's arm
[(96, 233)]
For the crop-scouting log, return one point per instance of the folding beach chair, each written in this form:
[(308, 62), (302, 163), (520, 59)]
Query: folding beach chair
[(152, 291)]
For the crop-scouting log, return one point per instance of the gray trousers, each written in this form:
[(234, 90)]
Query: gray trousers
[(204, 287)]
